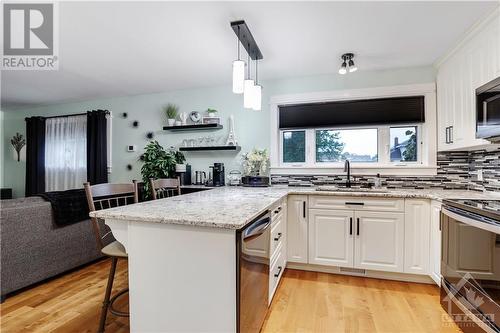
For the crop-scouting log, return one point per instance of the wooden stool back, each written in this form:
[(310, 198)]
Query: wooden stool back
[(165, 187), (104, 196)]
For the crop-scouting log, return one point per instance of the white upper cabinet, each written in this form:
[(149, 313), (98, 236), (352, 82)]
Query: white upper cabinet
[(473, 63)]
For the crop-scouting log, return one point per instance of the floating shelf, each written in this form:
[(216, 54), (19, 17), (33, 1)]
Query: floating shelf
[(211, 148), (195, 127)]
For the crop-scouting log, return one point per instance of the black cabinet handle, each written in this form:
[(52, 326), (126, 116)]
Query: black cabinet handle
[(357, 227), (279, 271), (350, 226), (354, 203), (440, 222), (278, 238), (304, 209), (277, 210), (447, 134)]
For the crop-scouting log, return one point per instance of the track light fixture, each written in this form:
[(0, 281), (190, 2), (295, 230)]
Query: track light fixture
[(347, 64)]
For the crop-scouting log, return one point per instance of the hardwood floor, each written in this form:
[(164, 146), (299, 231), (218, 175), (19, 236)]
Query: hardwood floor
[(304, 302)]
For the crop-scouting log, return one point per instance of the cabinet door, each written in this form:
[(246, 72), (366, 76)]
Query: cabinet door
[(379, 241), (435, 242), (417, 233), (331, 240), (297, 228)]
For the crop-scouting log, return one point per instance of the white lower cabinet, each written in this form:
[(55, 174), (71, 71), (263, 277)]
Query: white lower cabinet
[(417, 236), (435, 242), (368, 240), (331, 240), (297, 229), (379, 241)]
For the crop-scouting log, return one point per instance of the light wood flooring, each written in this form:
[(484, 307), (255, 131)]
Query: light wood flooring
[(304, 302)]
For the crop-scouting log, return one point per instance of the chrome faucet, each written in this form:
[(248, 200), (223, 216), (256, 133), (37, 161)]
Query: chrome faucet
[(347, 168)]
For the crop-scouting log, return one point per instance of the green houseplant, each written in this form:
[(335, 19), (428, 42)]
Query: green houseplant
[(158, 163), (171, 111), (211, 112)]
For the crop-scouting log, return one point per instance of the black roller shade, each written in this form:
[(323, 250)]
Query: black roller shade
[(398, 110)]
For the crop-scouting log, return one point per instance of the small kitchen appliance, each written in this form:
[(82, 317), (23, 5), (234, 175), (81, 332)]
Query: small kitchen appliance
[(488, 111), (183, 171), (200, 177), (470, 263), (255, 181), (218, 176)]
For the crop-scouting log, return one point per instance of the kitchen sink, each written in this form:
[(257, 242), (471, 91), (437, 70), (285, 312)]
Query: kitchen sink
[(327, 188)]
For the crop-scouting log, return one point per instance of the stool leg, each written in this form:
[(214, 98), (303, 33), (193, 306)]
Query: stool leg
[(107, 295)]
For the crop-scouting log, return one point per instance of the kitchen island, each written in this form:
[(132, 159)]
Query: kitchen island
[(182, 251)]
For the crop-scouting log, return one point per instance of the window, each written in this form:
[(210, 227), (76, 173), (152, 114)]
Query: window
[(294, 146), (356, 145), (403, 144)]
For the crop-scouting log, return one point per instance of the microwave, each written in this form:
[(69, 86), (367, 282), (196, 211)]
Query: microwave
[(488, 111)]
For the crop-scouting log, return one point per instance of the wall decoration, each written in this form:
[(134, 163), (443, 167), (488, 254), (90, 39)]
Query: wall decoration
[(211, 112), (129, 167), (211, 120), (231, 137), (183, 116), (135, 123), (150, 135), (124, 115), (195, 117), (142, 157), (18, 142)]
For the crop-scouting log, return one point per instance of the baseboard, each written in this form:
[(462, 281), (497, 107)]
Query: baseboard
[(367, 273)]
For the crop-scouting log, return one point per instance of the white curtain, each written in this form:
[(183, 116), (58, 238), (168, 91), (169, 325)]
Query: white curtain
[(65, 153)]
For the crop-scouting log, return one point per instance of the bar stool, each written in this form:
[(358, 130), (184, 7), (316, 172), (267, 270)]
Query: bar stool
[(165, 187), (103, 196)]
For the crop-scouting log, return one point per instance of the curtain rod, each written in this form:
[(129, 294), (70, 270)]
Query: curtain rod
[(71, 115)]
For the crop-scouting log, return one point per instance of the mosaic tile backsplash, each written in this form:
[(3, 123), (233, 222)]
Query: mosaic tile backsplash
[(456, 170)]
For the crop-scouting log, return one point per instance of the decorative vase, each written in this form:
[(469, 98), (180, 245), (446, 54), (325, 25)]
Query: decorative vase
[(183, 116), (171, 122), (211, 114)]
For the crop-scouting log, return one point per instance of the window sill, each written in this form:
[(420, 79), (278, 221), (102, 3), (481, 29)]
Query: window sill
[(392, 170)]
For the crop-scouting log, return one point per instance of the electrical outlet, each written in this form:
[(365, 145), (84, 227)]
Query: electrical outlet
[(480, 175)]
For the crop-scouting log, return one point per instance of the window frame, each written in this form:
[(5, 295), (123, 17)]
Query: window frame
[(419, 145), (281, 149)]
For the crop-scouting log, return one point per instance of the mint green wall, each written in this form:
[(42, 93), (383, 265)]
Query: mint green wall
[(252, 127)]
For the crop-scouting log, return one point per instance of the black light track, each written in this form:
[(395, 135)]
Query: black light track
[(246, 39)]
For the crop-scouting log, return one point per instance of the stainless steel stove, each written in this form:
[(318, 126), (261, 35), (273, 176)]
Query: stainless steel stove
[(470, 263)]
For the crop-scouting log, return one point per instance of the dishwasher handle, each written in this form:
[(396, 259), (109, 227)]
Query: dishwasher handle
[(256, 229)]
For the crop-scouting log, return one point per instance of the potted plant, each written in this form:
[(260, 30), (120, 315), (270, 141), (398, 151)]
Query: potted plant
[(171, 111), (255, 166), (158, 163), (211, 112)]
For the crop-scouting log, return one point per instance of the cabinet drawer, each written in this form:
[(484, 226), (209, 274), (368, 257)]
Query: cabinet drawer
[(276, 271), (357, 203), (277, 234), (277, 211)]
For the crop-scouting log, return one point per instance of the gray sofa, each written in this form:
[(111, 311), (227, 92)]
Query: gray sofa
[(33, 248)]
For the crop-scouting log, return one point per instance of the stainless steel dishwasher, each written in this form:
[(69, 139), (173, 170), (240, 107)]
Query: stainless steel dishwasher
[(253, 260)]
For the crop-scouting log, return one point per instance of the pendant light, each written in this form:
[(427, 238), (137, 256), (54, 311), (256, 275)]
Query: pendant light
[(347, 64), (257, 90), (248, 90), (238, 71)]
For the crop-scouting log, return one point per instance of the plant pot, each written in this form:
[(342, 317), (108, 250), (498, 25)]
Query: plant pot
[(211, 114), (171, 122), (178, 123)]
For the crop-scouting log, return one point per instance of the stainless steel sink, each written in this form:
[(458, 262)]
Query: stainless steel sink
[(350, 189)]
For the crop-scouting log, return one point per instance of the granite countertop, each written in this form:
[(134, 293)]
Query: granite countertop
[(234, 207)]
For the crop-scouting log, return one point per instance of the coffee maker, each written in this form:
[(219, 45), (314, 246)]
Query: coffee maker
[(218, 177)]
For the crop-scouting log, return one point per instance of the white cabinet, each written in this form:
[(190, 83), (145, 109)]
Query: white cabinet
[(331, 239), (379, 241), (297, 229), (435, 242), (417, 234), (471, 65)]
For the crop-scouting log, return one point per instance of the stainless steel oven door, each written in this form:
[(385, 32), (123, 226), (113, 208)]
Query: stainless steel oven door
[(470, 263)]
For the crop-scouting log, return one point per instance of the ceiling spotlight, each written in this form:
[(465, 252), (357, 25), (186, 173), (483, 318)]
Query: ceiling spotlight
[(347, 63), (343, 68)]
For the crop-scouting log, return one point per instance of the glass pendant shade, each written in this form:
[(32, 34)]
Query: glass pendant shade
[(238, 76), (352, 66), (257, 97), (248, 94), (343, 68)]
